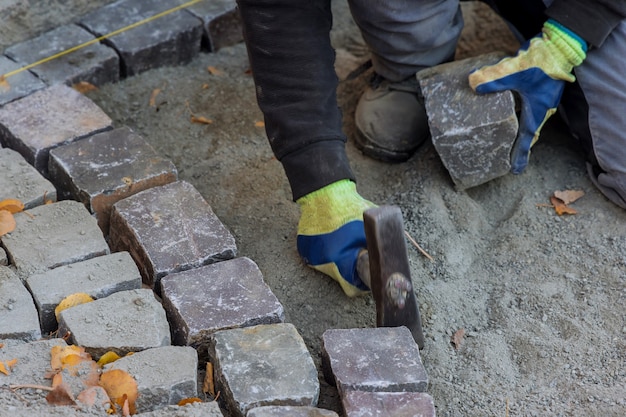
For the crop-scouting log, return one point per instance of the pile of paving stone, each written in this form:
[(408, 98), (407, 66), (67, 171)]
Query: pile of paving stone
[(107, 216)]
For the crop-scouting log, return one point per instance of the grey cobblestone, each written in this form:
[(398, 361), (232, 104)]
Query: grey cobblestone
[(388, 404), (290, 411), (18, 315), (21, 181), (20, 85)]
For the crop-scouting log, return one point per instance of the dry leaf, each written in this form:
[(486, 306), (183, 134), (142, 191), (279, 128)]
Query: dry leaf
[(84, 87), (128, 181), (120, 387), (191, 400), (126, 407), (259, 124), (61, 393), (108, 357), (7, 222), (208, 384), (7, 366), (214, 71), (560, 207), (153, 97), (72, 300), (205, 86), (201, 119), (64, 357), (457, 338), (12, 205), (90, 395), (569, 196), (4, 84)]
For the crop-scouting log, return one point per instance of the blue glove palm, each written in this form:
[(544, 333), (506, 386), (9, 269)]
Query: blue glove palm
[(331, 233), (538, 74)]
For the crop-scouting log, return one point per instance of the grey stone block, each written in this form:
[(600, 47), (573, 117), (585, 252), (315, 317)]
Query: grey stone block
[(4, 258), (210, 409), (21, 181), (290, 411), (18, 315), (172, 39), (107, 167), (33, 359), (164, 375), (263, 365), (473, 134), (169, 229), (19, 85), (224, 295), (383, 359), (96, 63), (388, 404), (126, 321), (46, 119), (99, 277), (221, 22), (53, 235)]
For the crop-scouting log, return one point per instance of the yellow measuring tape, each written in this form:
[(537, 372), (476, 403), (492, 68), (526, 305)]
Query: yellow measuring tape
[(96, 40)]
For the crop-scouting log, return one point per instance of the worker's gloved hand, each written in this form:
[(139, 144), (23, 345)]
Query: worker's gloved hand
[(331, 233), (538, 73)]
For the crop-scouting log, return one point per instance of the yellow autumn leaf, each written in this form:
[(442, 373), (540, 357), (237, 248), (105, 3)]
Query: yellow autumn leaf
[(153, 97), (84, 87), (7, 222), (120, 387), (569, 196), (12, 205), (191, 400), (201, 119), (72, 300), (4, 84), (108, 357), (214, 71), (7, 366), (63, 357), (259, 124)]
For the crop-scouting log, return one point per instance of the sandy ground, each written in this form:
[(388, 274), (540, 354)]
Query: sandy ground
[(540, 297)]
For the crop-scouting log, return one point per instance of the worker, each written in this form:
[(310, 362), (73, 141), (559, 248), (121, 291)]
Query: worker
[(575, 50)]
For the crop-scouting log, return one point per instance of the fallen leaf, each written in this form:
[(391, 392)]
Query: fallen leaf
[(457, 338), (72, 300), (120, 387), (90, 395), (128, 181), (84, 87), (569, 196), (214, 71), (7, 222), (61, 393), (248, 71), (107, 358), (64, 357), (560, 207), (126, 407), (208, 385), (259, 124), (12, 205), (7, 366), (153, 97), (201, 119), (4, 84), (191, 400), (205, 86)]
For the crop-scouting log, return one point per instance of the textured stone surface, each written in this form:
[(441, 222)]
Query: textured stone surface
[(96, 63), (33, 359), (107, 167), (263, 365), (99, 277), (164, 375), (290, 411), (53, 235), (221, 21), (388, 404), (19, 85), (46, 119), (169, 229), (127, 321), (384, 359), (18, 315), (473, 134), (20, 180), (220, 296), (209, 409), (172, 39)]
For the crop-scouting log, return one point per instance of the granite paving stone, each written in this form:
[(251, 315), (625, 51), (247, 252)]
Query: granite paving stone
[(99, 277), (96, 63), (169, 229), (53, 235), (107, 167), (220, 296), (290, 411), (123, 322), (164, 375), (388, 404), (172, 39), (19, 85), (221, 22), (33, 360), (4, 258), (473, 134), (18, 315), (267, 364), (21, 181), (206, 409), (384, 359), (46, 119)]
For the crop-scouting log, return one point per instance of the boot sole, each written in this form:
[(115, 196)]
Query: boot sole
[(368, 148)]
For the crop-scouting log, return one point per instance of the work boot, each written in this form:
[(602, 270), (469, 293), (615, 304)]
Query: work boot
[(390, 118)]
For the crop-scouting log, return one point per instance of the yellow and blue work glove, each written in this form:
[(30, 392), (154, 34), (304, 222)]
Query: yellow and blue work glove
[(538, 74), (331, 233)]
